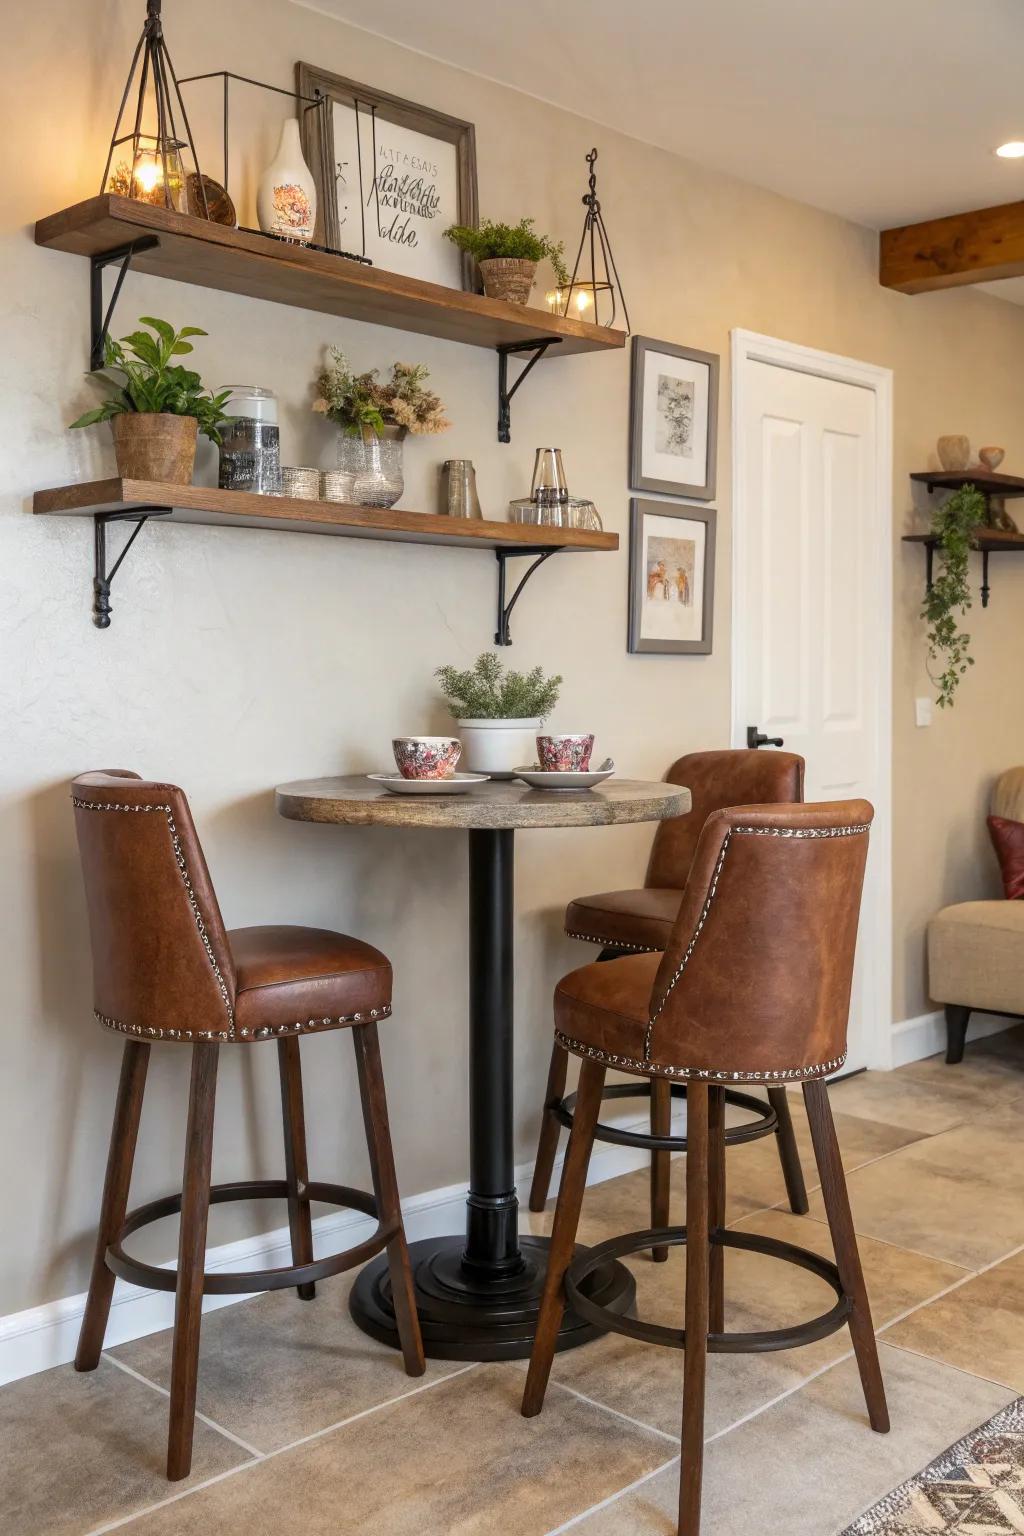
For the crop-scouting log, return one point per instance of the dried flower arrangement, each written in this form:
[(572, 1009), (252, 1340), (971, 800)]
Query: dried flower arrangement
[(356, 402)]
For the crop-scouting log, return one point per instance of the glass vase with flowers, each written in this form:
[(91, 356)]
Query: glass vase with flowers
[(374, 418)]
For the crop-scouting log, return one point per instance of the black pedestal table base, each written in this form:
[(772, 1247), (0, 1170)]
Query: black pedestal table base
[(462, 1318)]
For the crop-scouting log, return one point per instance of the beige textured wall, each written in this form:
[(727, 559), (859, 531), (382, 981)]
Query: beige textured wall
[(237, 660)]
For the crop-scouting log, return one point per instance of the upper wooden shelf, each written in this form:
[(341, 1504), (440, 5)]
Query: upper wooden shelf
[(242, 509), (212, 255), (951, 480)]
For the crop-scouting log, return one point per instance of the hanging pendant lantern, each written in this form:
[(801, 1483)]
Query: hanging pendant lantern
[(149, 167), (594, 292)]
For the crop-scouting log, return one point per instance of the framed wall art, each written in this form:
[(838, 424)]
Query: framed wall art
[(398, 175), (671, 577), (673, 427)]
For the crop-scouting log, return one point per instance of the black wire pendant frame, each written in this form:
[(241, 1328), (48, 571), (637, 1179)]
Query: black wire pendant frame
[(156, 67), (595, 245)]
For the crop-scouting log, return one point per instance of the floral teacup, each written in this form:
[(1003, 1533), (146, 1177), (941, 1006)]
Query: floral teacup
[(565, 753), (427, 757)]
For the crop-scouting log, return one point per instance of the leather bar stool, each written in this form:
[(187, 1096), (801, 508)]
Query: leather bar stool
[(640, 922), (165, 968), (753, 987)]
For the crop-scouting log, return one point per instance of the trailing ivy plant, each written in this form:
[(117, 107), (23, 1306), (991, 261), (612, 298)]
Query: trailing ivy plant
[(954, 524), (486, 692)]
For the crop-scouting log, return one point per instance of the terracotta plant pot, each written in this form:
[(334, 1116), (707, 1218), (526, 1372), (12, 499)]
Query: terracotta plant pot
[(154, 446), (509, 278)]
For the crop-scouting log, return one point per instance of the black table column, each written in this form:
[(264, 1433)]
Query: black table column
[(478, 1296)]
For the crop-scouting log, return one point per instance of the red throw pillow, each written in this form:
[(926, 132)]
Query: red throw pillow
[(1008, 841)]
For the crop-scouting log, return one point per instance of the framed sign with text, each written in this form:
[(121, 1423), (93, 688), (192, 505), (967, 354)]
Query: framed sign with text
[(397, 175)]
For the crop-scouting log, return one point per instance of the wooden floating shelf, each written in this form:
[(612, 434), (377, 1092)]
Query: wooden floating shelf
[(242, 509), (989, 541), (137, 501), (985, 480), (192, 250)]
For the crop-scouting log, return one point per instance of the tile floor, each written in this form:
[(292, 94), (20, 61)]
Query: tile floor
[(309, 1427)]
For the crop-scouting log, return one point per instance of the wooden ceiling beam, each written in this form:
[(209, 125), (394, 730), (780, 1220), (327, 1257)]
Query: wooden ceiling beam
[(978, 247)]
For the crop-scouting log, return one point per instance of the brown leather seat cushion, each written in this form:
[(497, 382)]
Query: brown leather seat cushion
[(290, 975), (606, 1005), (639, 919)]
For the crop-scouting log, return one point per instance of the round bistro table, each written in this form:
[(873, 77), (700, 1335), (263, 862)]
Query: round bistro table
[(478, 1294)]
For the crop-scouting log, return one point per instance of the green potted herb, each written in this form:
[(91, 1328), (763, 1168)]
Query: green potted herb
[(156, 407), (508, 256), (498, 713), (954, 524)]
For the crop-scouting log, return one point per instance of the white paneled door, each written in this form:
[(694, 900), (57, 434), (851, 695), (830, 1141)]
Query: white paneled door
[(812, 604)]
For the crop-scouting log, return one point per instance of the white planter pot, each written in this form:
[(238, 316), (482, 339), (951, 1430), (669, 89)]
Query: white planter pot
[(286, 199), (498, 747)]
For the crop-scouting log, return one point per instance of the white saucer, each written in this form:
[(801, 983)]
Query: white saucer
[(540, 778), (458, 784)]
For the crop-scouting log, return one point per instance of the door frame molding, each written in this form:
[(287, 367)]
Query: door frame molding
[(751, 347)]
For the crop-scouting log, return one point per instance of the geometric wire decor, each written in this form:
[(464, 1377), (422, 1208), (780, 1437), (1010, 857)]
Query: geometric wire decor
[(595, 252)]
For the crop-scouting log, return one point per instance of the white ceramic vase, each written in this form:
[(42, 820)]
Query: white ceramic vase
[(498, 747), (286, 200)]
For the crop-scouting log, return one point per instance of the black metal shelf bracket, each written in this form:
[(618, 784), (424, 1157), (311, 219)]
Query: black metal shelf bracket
[(102, 578), (986, 589), (505, 351), (100, 320), (502, 635)]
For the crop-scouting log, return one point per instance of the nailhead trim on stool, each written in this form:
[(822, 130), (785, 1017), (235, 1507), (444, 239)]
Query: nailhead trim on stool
[(592, 938), (698, 1074)]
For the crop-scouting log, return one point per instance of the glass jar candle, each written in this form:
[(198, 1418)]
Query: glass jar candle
[(250, 452)]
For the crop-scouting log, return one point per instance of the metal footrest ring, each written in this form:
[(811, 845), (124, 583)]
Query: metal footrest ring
[(761, 1342), (766, 1124), (234, 1282)]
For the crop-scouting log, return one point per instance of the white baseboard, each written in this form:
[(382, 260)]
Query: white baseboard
[(42, 1337), (914, 1039)]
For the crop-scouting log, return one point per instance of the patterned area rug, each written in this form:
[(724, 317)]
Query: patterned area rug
[(976, 1488)]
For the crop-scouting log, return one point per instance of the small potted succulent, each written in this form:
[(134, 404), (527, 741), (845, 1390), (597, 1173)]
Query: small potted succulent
[(498, 713), (508, 255), (156, 407)]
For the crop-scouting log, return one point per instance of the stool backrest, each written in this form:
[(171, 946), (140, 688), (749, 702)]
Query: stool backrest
[(755, 981), (161, 961), (717, 780)]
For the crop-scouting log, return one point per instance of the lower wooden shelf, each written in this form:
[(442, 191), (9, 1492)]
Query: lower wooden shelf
[(137, 501), (989, 541)]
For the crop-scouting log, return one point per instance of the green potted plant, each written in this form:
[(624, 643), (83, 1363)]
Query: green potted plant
[(508, 256), (374, 419), (954, 524), (155, 407), (498, 713)]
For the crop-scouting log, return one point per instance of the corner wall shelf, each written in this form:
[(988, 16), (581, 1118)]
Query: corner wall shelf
[(118, 500), (160, 243), (989, 541)]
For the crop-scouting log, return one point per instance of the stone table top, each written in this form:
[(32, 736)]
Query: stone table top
[(498, 803)]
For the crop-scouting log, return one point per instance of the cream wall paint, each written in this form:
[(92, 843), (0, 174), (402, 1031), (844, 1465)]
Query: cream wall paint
[(237, 660)]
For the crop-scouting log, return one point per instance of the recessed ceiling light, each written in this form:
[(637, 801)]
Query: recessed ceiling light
[(1014, 150)]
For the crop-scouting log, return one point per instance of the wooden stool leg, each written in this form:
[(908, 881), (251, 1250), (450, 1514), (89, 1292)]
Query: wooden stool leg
[(844, 1241), (957, 1019), (296, 1166), (661, 1162), (716, 1208), (124, 1135), (695, 1357), (385, 1188), (563, 1233), (785, 1140), (188, 1303), (547, 1146)]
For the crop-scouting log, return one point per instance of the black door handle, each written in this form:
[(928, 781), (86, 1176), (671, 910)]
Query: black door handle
[(755, 738)]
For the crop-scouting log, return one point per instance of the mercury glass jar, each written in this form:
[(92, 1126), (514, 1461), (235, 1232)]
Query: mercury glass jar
[(250, 453), (374, 459)]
